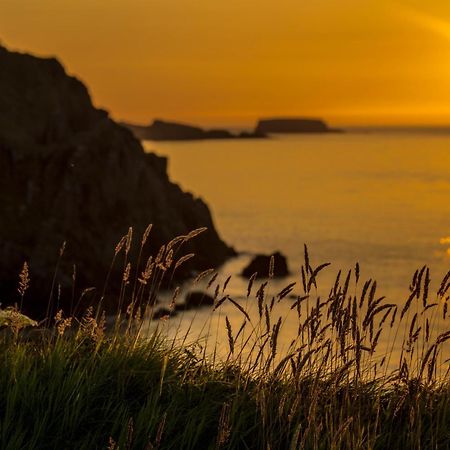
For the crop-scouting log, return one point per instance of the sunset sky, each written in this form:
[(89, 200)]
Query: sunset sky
[(216, 62)]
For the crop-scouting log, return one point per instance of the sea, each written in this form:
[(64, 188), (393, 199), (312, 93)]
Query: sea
[(376, 197)]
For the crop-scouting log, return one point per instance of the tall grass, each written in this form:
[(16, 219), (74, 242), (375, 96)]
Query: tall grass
[(79, 384)]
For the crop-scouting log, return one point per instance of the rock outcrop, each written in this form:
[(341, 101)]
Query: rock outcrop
[(68, 173), (293, 125), (195, 299), (260, 265), (163, 312), (161, 130)]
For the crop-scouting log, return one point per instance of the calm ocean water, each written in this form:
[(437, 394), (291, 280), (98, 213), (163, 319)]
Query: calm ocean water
[(379, 198)]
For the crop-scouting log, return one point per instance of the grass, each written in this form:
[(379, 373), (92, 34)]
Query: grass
[(77, 385)]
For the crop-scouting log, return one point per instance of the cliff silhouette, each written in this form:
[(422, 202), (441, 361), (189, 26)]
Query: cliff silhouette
[(69, 173)]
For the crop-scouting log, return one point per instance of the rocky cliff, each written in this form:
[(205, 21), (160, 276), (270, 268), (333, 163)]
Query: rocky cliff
[(70, 173)]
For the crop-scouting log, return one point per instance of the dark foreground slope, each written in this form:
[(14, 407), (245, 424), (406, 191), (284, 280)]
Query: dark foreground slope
[(70, 173)]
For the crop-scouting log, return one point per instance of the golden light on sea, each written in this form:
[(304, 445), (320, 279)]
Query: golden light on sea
[(445, 241)]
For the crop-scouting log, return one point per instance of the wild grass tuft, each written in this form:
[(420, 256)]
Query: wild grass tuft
[(80, 384)]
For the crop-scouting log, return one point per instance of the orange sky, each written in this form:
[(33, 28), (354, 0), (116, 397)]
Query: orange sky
[(230, 62)]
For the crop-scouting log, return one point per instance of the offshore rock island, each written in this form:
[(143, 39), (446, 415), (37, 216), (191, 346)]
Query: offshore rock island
[(69, 173), (160, 130)]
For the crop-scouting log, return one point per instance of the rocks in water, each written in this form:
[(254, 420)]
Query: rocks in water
[(195, 299), (293, 125), (260, 264), (179, 307), (163, 312), (68, 173), (161, 130)]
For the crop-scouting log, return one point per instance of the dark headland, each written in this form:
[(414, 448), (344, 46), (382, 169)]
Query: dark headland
[(293, 125), (69, 173), (161, 130)]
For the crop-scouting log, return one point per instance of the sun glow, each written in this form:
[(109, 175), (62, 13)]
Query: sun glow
[(445, 241), (229, 63), (436, 25)]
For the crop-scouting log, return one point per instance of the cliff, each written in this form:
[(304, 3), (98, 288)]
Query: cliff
[(293, 125), (70, 173), (161, 130)]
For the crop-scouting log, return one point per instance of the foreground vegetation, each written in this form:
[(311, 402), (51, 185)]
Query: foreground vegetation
[(77, 385)]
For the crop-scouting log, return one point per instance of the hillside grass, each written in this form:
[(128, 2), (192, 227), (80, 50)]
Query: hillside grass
[(77, 384)]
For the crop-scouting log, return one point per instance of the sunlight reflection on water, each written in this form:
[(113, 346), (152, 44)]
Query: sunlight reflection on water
[(380, 199)]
